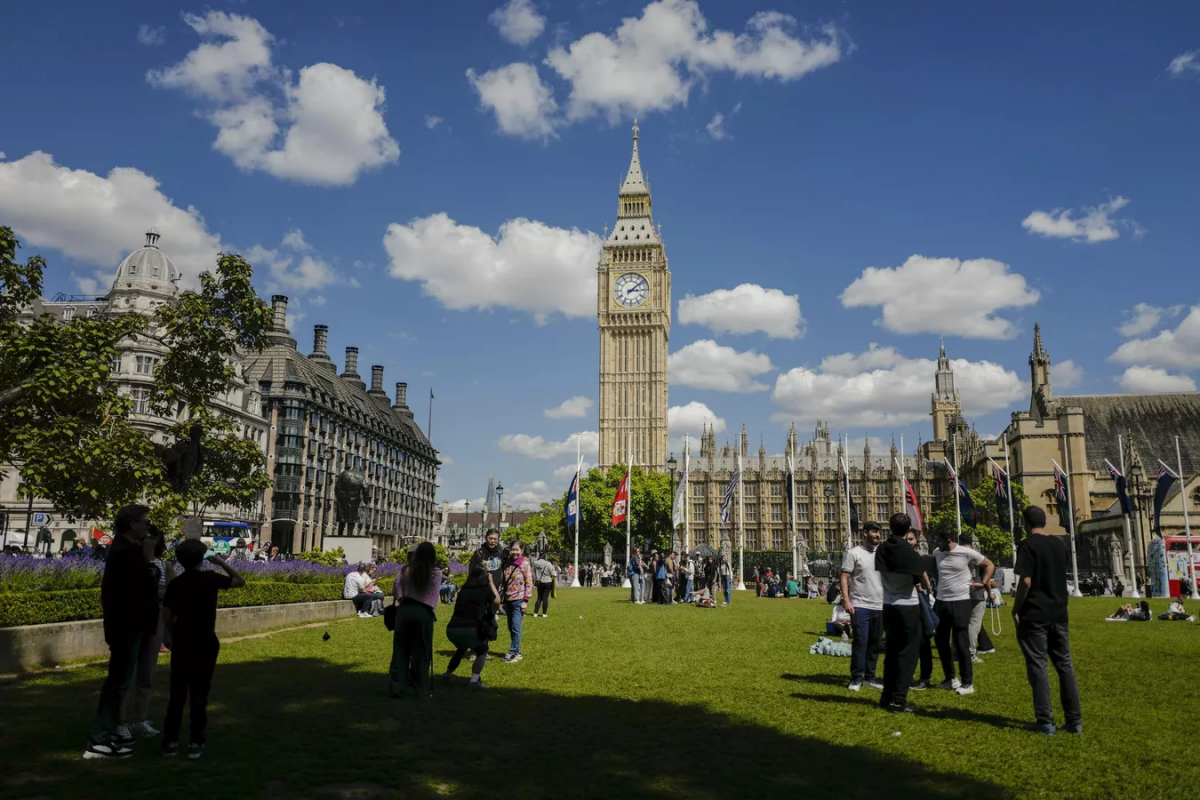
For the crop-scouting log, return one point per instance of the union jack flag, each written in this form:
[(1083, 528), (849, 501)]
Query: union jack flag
[(1060, 484), (727, 502), (1001, 482)]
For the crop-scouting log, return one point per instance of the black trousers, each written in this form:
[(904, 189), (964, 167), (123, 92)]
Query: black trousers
[(542, 605), (123, 650), (954, 619), (926, 659), (902, 624), (192, 666), (1040, 641)]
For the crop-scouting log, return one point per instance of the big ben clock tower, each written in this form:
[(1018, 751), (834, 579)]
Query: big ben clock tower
[(633, 306)]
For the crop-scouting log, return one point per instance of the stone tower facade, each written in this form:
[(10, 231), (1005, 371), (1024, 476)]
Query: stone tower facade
[(946, 405), (633, 308)]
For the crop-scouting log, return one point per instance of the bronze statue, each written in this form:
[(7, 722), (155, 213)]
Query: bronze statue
[(349, 492), (183, 459)]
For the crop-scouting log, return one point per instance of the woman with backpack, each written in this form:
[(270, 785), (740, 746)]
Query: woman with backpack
[(473, 624), (416, 593)]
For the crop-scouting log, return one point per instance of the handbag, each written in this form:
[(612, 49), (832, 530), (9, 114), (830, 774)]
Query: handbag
[(929, 618), (389, 616)]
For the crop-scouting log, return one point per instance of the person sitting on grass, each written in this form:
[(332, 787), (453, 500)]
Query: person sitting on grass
[(190, 605), (1176, 612), (473, 624), (840, 623), (704, 598), (791, 588)]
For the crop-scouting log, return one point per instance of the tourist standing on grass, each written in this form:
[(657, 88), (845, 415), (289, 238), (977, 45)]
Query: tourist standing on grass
[(634, 571), (956, 569), (981, 575), (191, 610), (543, 576), (726, 574), (689, 577), (473, 624), (1040, 614), (490, 556), (129, 598), (137, 707), (416, 590), (518, 589), (926, 652), (862, 597), (900, 571)]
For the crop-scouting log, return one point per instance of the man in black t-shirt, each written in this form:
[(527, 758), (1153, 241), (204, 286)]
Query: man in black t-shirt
[(1040, 614), (191, 606), (129, 597)]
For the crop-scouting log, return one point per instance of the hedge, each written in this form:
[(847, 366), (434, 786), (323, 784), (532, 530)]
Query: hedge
[(37, 608)]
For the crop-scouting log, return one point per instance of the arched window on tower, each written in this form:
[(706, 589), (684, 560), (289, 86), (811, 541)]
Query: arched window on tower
[(68, 313), (91, 312)]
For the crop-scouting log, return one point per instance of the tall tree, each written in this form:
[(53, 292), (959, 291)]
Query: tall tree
[(991, 527), (67, 431)]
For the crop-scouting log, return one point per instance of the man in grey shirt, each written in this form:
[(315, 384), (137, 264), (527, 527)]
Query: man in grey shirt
[(862, 597), (544, 572)]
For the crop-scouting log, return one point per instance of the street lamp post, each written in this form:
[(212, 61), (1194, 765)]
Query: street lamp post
[(500, 503), (672, 465)]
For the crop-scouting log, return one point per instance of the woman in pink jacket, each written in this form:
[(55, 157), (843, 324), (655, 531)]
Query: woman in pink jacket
[(518, 589)]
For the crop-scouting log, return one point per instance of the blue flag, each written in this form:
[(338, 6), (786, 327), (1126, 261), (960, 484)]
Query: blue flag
[(1122, 489), (573, 502), (1165, 481), (966, 504)]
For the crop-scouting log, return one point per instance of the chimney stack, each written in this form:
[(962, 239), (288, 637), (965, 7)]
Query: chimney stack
[(401, 394), (351, 374), (377, 383), (279, 313), (319, 355)]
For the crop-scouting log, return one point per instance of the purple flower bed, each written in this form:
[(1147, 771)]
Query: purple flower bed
[(28, 574)]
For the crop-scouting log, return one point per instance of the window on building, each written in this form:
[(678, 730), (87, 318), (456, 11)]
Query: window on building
[(751, 513), (68, 313), (750, 489), (698, 490), (776, 512), (144, 365), (802, 512), (881, 490), (777, 539), (776, 490), (115, 366), (751, 539), (91, 312), (830, 512), (881, 511), (141, 400)]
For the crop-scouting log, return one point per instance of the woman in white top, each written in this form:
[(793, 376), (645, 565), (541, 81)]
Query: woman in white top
[(356, 589), (725, 573)]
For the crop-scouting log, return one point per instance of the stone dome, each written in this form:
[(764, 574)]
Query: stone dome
[(148, 264)]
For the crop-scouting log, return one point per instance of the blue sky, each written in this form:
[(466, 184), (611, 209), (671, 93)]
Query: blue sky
[(429, 180)]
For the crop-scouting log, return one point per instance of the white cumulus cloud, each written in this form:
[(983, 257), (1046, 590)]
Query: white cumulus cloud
[(573, 407), (98, 219), (1184, 63), (943, 295), (432, 122), (748, 308), (1095, 225), (881, 387), (523, 444), (285, 274), (1170, 349), (692, 418), (518, 21), (1066, 374), (1143, 318), (707, 365), (529, 266), (567, 471), (325, 128), (1137, 380), (716, 128), (524, 105)]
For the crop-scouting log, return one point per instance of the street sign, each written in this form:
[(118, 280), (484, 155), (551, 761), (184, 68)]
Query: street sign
[(41, 518), (221, 546)]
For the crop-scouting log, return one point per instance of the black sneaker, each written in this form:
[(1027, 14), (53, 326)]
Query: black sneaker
[(107, 750), (920, 686), (169, 749), (447, 678), (896, 708), (1047, 729), (1073, 727), (195, 751)]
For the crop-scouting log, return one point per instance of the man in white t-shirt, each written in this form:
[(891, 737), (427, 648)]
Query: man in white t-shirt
[(862, 597), (956, 565)]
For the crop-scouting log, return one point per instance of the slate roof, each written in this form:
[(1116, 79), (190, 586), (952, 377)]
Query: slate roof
[(1153, 420)]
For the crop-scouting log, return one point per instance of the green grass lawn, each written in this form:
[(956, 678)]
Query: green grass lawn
[(616, 701)]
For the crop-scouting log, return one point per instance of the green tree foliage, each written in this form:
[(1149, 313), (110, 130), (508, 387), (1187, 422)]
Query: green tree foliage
[(651, 509), (991, 525), (67, 432), (328, 558)]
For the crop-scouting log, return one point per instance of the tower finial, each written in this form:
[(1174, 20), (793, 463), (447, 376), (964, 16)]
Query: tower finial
[(635, 128)]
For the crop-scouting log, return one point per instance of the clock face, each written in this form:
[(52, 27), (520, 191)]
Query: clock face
[(631, 289)]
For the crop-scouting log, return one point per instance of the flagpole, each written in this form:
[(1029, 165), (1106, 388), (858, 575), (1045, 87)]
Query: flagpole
[(1187, 526), (1012, 521), (687, 525), (792, 503), (1125, 517), (846, 490), (628, 508), (958, 487), (1071, 517), (741, 527), (578, 507)]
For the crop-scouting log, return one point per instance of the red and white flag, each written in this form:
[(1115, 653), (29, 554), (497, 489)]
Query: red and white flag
[(914, 510), (100, 537), (620, 506)]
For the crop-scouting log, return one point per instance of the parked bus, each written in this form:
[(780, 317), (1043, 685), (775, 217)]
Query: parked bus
[(222, 537), (1177, 556)]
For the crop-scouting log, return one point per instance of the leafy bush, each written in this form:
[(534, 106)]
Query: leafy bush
[(329, 558), (25, 573)]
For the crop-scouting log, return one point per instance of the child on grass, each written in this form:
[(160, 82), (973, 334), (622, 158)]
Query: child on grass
[(191, 615)]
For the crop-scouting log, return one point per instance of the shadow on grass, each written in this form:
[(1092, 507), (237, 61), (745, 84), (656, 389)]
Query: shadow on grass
[(302, 727), (820, 677)]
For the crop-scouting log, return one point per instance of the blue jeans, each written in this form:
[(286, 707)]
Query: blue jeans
[(725, 581), (687, 591), (513, 610), (868, 641), (636, 593)]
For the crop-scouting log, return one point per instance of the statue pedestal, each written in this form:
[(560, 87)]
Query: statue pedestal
[(193, 527)]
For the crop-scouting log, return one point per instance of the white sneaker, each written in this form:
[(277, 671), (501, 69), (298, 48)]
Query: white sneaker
[(144, 728), (855, 686), (976, 660), (964, 690), (953, 683)]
